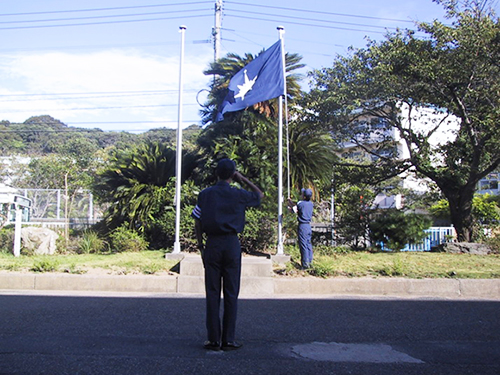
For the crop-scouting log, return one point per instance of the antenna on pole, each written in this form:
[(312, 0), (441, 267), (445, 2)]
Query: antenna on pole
[(216, 30)]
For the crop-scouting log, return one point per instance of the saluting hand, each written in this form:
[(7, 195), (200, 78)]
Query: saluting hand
[(237, 177)]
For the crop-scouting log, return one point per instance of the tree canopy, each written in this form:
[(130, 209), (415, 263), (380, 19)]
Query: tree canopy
[(441, 94)]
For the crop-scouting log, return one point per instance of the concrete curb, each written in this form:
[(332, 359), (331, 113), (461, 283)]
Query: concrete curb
[(107, 283), (258, 286)]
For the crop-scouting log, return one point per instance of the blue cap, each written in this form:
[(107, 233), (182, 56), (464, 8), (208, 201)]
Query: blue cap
[(307, 193), (225, 168)]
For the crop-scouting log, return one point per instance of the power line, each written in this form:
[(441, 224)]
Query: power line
[(93, 93), (129, 122), (178, 11), (321, 12), (104, 9), (230, 9), (94, 46), (104, 22), (104, 46), (313, 19), (266, 35), (100, 108), (206, 2), (308, 24), (101, 95), (100, 17)]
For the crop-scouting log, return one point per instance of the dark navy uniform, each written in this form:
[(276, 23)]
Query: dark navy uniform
[(304, 217), (221, 211)]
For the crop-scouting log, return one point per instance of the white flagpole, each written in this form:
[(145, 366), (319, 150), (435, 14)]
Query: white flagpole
[(287, 147), (178, 168), (281, 31)]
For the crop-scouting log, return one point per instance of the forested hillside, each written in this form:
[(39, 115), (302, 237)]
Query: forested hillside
[(43, 135)]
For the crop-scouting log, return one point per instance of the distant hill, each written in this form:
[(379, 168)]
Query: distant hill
[(42, 135)]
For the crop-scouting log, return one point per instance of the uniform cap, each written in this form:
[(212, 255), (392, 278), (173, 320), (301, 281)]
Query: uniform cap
[(307, 193), (225, 168)]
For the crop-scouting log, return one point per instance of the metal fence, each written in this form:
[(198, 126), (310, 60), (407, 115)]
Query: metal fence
[(53, 208), (436, 236), (322, 234)]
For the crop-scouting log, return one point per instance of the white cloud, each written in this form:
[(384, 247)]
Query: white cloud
[(106, 71)]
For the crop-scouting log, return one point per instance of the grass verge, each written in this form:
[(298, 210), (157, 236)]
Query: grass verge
[(415, 265), (350, 264), (144, 262)]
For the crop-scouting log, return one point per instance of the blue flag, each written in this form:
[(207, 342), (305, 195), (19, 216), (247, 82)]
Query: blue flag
[(262, 79)]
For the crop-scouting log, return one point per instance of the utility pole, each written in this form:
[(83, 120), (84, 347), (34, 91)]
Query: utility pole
[(216, 29)]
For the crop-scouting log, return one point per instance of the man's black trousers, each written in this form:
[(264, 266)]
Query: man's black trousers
[(222, 261)]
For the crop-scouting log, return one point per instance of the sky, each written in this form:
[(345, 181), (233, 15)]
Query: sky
[(115, 64)]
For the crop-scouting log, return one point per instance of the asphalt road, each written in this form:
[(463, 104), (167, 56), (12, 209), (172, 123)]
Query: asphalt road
[(163, 334)]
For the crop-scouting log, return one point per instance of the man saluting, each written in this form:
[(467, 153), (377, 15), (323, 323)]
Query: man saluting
[(220, 214)]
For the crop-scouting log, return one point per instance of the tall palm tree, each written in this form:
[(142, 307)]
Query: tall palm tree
[(135, 183), (311, 150), (312, 156), (225, 68)]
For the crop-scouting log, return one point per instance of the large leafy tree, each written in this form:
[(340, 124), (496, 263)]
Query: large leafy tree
[(447, 83)]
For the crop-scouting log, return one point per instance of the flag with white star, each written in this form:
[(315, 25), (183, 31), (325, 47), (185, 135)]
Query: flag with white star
[(262, 79)]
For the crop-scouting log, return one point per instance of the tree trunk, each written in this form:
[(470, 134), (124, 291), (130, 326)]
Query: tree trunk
[(461, 212)]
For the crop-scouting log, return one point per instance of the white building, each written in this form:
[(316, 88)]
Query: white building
[(489, 184), (435, 125)]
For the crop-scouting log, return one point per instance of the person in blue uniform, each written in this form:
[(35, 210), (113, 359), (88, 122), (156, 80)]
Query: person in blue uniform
[(304, 211), (220, 214)]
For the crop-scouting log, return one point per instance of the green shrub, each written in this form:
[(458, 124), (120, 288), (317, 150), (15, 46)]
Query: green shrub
[(322, 267), (7, 239), (494, 241), (152, 268), (124, 239), (319, 252), (14, 264), (397, 268), (331, 250), (161, 231), (395, 228), (293, 251), (45, 265), (74, 269), (90, 242), (259, 231)]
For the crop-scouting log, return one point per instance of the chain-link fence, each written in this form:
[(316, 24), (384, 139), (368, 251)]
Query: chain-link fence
[(58, 207)]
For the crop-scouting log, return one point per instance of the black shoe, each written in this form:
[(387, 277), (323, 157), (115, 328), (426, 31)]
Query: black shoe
[(212, 345), (232, 345)]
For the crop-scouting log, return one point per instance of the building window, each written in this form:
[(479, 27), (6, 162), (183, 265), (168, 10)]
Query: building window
[(488, 185)]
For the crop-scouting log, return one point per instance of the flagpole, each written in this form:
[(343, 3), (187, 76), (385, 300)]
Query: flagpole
[(178, 169), (287, 146), (280, 252)]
